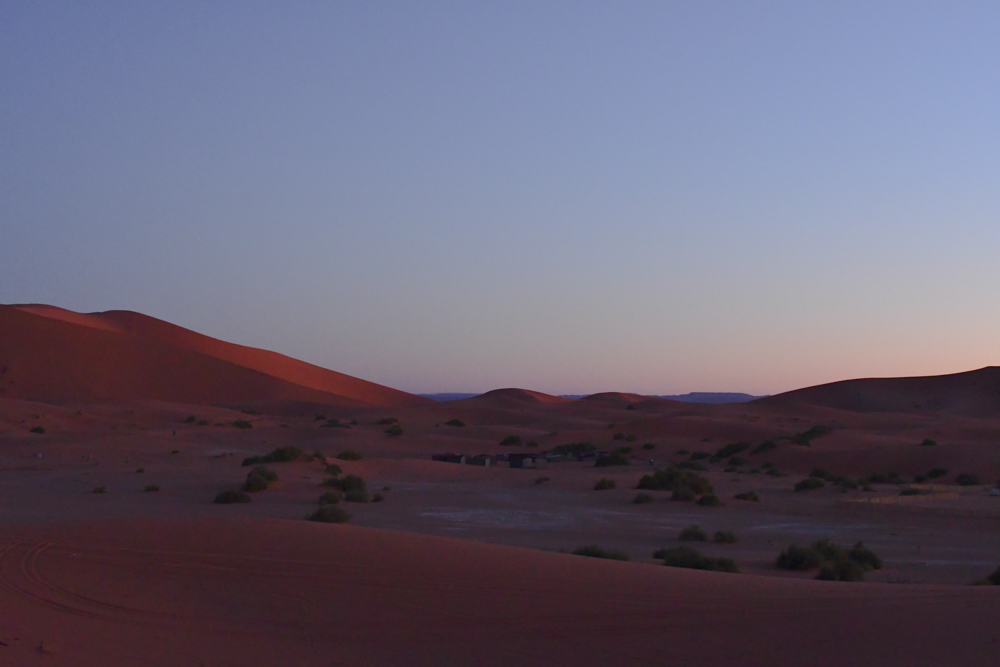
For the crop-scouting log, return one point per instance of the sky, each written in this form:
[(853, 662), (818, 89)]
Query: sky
[(570, 197)]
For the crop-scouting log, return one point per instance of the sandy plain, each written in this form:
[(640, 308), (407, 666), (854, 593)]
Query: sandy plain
[(460, 564)]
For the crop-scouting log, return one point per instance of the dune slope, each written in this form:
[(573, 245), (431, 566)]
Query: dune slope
[(970, 394), (50, 354)]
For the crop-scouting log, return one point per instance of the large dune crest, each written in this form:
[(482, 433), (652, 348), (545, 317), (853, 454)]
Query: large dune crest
[(970, 394), (52, 354)]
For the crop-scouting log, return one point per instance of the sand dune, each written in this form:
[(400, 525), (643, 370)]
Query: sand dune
[(51, 354), (262, 592), (972, 394), (512, 398)]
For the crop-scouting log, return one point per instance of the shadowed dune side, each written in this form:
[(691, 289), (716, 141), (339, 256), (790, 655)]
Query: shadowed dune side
[(49, 358), (269, 592), (970, 394)]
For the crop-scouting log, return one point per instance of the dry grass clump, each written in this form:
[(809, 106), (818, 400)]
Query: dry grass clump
[(836, 563), (259, 479)]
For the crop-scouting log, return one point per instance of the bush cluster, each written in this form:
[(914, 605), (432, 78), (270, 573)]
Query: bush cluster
[(642, 498), (511, 441), (394, 431), (672, 477), (594, 551), (242, 423), (732, 449), (354, 488), (689, 558), (574, 449), (806, 437), (750, 496), (279, 455), (765, 446), (455, 422), (836, 563), (612, 459), (604, 484), (724, 537), (230, 497), (809, 484), (329, 514), (693, 534), (259, 479), (349, 455)]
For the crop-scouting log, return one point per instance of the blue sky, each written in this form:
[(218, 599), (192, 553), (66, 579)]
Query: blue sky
[(566, 196)]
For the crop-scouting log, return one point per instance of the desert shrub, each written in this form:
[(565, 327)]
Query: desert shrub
[(140, 470), (884, 478), (820, 473), (967, 479), (642, 498), (356, 496), (683, 494), (691, 465), (750, 496), (809, 484), (709, 500), (230, 497), (725, 537), (394, 431), (331, 497), (329, 514), (594, 551), (259, 479), (765, 446), (531, 443), (618, 436), (612, 459), (347, 483), (385, 421), (152, 488), (909, 491), (700, 456), (673, 477), (806, 437), (631, 438), (279, 455), (177, 451), (38, 429), (603, 484), (574, 449), (738, 461), (334, 423), (864, 557), (542, 480), (795, 557), (334, 469), (689, 558), (99, 489), (682, 452), (732, 449), (455, 422), (841, 570), (511, 441), (624, 450), (349, 455), (994, 579), (928, 442), (839, 564), (774, 472), (242, 423), (191, 419), (649, 445), (934, 473), (693, 534), (202, 422), (714, 459)]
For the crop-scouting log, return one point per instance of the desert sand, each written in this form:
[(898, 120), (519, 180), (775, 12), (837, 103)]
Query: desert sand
[(462, 564)]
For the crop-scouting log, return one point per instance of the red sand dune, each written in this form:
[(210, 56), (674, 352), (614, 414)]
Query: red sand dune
[(51, 354), (512, 398), (266, 592), (970, 394)]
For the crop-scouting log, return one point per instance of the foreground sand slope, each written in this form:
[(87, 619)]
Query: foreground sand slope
[(51, 354), (270, 592)]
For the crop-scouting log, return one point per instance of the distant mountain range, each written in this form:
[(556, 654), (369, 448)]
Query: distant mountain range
[(714, 397)]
